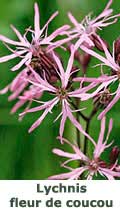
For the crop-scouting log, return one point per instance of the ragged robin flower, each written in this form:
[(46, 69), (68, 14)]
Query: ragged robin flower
[(89, 167), (85, 30), (62, 94), (114, 76), (26, 50)]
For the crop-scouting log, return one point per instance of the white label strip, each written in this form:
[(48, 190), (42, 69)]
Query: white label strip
[(44, 194)]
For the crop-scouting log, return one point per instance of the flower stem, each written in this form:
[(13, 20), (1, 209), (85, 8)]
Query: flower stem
[(94, 111), (85, 140), (78, 119), (78, 115)]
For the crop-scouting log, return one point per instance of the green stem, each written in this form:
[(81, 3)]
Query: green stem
[(78, 119), (85, 140), (87, 129)]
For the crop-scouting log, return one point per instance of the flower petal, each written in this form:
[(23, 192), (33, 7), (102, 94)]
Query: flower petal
[(47, 23), (27, 57), (76, 123), (20, 37), (72, 19), (36, 22), (110, 174), (66, 154), (100, 57), (10, 41), (54, 34), (9, 57), (70, 175), (69, 68), (100, 145)]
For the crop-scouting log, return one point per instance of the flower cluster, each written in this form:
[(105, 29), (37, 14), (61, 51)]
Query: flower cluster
[(43, 71)]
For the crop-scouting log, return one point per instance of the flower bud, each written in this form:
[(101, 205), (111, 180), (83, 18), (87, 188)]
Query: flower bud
[(85, 59), (117, 51), (118, 59), (98, 44), (102, 99), (117, 47), (114, 154)]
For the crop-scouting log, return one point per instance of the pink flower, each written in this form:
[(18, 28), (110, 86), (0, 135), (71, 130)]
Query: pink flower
[(88, 27), (25, 49), (18, 86), (93, 166), (109, 61), (33, 93), (62, 94)]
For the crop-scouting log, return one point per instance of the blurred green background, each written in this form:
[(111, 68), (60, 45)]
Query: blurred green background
[(29, 156)]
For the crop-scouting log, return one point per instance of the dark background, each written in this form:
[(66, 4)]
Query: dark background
[(29, 156)]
